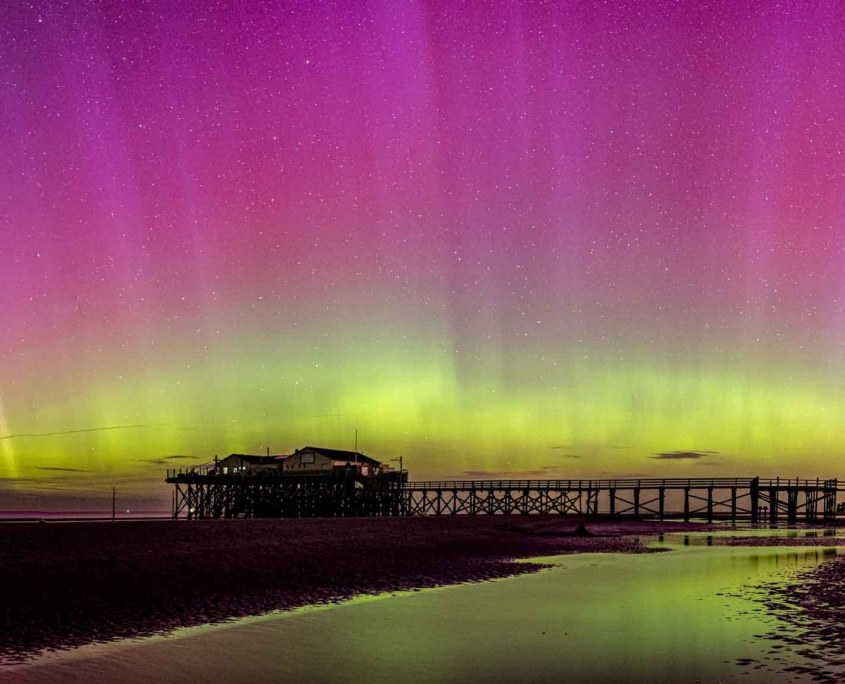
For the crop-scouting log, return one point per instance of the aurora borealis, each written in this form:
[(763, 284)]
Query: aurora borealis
[(571, 238)]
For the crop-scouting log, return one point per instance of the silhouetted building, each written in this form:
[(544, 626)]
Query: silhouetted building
[(247, 463), (317, 459)]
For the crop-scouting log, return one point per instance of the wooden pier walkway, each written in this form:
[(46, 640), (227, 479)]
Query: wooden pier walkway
[(752, 499), (271, 495)]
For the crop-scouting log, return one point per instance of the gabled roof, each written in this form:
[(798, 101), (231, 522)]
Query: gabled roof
[(253, 460), (341, 455)]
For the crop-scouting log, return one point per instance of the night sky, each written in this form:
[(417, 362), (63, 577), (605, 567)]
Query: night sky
[(556, 239)]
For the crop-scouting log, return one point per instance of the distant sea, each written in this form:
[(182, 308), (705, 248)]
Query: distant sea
[(11, 516)]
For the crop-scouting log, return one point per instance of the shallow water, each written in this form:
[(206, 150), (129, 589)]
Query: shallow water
[(663, 617)]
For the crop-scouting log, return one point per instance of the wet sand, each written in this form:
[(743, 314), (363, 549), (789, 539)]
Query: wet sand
[(819, 540), (66, 584), (639, 618), (810, 608)]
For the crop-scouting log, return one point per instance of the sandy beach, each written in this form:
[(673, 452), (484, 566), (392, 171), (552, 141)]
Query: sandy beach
[(66, 584)]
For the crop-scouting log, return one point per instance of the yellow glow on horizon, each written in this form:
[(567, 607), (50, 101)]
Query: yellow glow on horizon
[(600, 419)]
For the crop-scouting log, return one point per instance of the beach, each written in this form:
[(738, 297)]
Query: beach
[(700, 612), (67, 584)]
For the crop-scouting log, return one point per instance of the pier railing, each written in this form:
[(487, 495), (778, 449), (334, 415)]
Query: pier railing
[(174, 474), (623, 483)]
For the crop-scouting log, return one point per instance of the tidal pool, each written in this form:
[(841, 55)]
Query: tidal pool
[(678, 616)]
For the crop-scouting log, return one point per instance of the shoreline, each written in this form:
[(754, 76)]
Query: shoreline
[(62, 586)]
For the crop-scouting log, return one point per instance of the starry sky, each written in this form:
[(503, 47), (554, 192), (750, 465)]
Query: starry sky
[(547, 239)]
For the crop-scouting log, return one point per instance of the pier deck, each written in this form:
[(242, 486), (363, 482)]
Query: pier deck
[(200, 495)]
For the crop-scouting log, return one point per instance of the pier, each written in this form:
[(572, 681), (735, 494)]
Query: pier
[(343, 493), (710, 499)]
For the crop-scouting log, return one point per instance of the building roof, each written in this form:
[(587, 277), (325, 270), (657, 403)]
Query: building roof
[(345, 456), (252, 459)]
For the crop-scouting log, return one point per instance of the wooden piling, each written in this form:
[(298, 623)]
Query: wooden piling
[(773, 505), (792, 505), (733, 504), (754, 495)]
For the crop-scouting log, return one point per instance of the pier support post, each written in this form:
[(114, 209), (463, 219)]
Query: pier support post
[(810, 503), (686, 504), (637, 501), (830, 487), (792, 505), (755, 500), (612, 492), (733, 504), (710, 504), (773, 506), (661, 499)]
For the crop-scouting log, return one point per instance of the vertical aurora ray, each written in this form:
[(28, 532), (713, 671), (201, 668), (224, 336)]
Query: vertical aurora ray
[(6, 445)]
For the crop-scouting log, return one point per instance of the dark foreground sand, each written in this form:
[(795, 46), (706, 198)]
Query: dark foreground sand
[(65, 584), (810, 607)]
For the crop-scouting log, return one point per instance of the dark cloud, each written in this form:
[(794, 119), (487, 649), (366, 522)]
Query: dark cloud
[(560, 446), (545, 470), (682, 455), (62, 470), (77, 432), (515, 474), (163, 460)]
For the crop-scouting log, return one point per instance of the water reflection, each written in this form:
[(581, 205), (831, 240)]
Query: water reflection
[(707, 538), (678, 616)]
